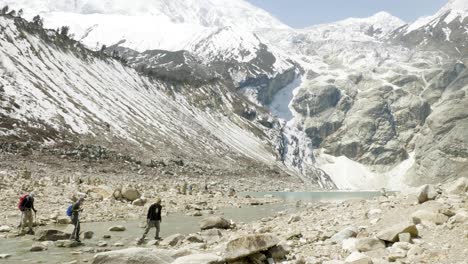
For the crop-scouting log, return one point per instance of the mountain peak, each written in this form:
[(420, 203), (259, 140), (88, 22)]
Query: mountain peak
[(459, 5), (207, 13)]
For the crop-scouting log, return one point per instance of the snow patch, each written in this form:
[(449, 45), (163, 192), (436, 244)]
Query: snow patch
[(351, 175)]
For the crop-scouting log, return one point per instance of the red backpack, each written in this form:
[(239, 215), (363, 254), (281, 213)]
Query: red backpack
[(21, 202)]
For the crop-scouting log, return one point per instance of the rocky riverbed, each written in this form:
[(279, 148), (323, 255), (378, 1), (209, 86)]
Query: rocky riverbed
[(425, 225)]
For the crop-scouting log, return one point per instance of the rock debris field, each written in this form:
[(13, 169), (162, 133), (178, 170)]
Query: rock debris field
[(428, 224)]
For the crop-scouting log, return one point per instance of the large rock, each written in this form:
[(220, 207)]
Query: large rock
[(67, 243), (37, 247), (358, 258), (211, 235), (248, 245), (51, 235), (4, 256), (139, 202), (118, 228), (172, 240), (5, 229), (104, 191), (460, 186), (426, 193), (368, 244), (130, 194), (344, 234), (391, 234), (428, 217), (214, 222), (133, 256), (461, 216), (199, 259), (63, 220)]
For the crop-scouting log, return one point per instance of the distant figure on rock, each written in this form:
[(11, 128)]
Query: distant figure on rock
[(26, 206), (190, 189), (184, 188), (153, 219), (383, 192), (75, 219)]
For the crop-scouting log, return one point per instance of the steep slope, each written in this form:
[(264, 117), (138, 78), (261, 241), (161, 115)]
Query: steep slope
[(55, 91), (447, 30), (51, 89)]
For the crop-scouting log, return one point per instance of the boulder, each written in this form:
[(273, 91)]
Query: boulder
[(117, 194), (199, 259), (118, 228), (404, 237), (369, 244), (172, 240), (427, 192), (5, 229), (278, 253), (214, 222), (358, 258), (102, 244), (248, 245), (344, 234), (88, 234), (133, 256), (4, 256), (211, 235), (395, 253), (139, 202), (391, 234), (428, 217), (130, 194), (294, 218), (460, 186), (460, 217), (104, 191), (194, 238), (63, 220), (37, 247), (67, 243), (51, 235)]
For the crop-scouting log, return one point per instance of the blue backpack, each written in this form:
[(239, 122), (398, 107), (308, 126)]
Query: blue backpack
[(70, 210)]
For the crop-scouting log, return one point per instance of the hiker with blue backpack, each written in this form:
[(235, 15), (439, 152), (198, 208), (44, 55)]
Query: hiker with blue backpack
[(26, 206), (74, 211)]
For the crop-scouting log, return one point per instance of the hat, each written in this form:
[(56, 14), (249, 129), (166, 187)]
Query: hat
[(32, 194), (158, 200)]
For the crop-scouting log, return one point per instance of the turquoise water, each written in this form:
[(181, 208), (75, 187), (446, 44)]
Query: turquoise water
[(316, 196)]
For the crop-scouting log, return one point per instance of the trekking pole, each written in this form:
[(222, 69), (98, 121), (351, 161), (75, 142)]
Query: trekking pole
[(21, 220), (35, 219)]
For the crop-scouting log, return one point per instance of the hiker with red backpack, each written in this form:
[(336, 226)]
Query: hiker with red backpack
[(26, 206)]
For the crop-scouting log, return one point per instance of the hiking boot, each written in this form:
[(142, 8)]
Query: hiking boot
[(77, 240), (158, 238), (30, 232)]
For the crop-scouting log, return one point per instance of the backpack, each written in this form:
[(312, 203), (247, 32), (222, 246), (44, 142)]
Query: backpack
[(70, 210), (21, 202)]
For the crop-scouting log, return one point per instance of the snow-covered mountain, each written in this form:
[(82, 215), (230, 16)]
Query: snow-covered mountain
[(446, 30), (372, 102), (367, 105)]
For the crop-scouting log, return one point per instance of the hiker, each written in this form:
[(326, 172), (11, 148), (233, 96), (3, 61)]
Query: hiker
[(26, 205), (153, 219), (75, 219)]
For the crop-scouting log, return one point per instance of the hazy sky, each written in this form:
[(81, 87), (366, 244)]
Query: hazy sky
[(303, 13)]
